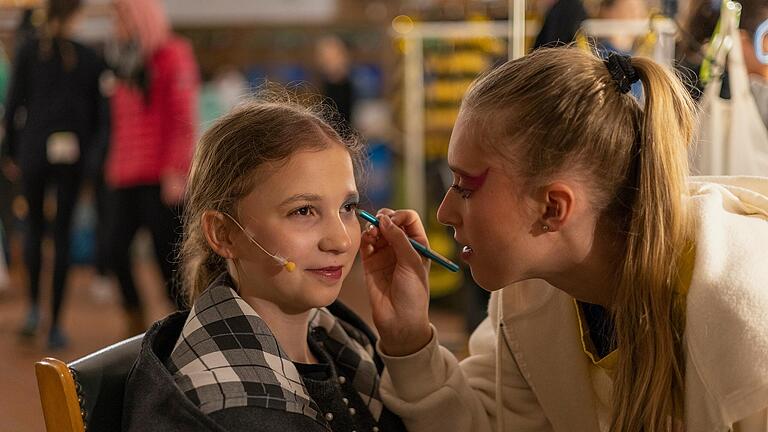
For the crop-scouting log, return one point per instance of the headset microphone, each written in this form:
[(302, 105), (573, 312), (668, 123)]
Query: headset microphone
[(288, 265)]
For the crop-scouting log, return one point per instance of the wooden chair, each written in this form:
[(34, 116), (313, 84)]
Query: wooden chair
[(87, 394)]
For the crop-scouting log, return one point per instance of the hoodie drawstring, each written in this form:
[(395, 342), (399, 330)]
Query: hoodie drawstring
[(499, 374)]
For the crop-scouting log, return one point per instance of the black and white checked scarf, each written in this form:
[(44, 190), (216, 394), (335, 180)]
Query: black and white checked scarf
[(226, 357)]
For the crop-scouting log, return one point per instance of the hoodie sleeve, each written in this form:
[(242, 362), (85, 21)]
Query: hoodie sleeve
[(431, 391)]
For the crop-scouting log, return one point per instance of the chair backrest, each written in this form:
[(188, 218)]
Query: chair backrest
[(58, 396), (89, 391)]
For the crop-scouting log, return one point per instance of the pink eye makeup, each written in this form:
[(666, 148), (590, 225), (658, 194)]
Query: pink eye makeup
[(466, 184), (473, 182)]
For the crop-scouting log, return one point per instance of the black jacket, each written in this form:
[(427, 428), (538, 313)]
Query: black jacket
[(154, 402), (47, 96)]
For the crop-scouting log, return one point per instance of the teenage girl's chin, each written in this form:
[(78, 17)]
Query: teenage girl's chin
[(321, 292), (484, 280)]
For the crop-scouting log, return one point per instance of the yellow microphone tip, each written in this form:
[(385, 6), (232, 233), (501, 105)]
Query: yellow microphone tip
[(290, 266)]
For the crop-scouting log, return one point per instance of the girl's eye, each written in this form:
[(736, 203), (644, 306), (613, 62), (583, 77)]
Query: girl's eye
[(464, 193), (350, 207), (304, 211)]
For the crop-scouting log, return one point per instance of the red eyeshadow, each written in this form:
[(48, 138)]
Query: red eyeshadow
[(474, 182)]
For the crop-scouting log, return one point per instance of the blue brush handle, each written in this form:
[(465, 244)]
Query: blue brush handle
[(420, 248)]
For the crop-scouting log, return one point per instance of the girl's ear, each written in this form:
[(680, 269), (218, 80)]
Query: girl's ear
[(557, 206), (218, 233)]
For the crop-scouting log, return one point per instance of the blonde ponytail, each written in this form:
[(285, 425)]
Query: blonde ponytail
[(649, 312)]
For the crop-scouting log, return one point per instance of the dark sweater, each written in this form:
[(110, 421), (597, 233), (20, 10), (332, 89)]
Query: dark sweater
[(154, 402)]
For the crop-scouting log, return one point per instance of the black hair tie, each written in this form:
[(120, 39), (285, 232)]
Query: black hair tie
[(622, 72)]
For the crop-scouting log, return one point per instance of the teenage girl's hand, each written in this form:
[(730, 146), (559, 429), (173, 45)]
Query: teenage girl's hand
[(397, 280)]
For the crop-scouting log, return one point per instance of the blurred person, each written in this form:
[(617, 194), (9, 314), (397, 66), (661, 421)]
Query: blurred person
[(622, 10), (270, 235), (154, 116), (28, 25), (754, 14), (700, 26), (56, 116), (698, 29), (333, 61), (561, 23), (733, 132)]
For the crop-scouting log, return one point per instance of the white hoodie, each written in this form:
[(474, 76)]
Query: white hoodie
[(545, 378)]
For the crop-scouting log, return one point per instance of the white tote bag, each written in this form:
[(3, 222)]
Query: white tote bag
[(732, 138)]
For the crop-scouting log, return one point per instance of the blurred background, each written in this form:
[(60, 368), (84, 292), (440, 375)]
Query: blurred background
[(75, 278)]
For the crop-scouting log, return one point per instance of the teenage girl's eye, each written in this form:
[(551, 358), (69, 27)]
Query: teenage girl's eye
[(463, 192), (307, 210)]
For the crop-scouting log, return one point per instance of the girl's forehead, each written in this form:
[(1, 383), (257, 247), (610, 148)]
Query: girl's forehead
[(301, 158), (315, 160), (465, 149), (326, 172)]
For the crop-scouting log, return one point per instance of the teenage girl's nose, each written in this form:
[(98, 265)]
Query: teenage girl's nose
[(447, 213)]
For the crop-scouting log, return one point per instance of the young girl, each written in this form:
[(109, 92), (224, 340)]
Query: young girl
[(653, 317), (270, 233)]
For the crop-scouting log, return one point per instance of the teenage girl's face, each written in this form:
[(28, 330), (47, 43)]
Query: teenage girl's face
[(492, 217), (304, 210)]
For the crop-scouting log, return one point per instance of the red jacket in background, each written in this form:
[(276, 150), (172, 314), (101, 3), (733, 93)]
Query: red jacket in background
[(155, 136)]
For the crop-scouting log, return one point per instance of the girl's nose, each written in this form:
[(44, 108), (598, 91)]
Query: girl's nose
[(446, 213), (337, 238)]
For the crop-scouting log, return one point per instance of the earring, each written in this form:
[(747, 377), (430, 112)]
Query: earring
[(545, 227)]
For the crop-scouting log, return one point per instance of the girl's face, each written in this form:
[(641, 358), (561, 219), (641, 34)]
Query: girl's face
[(494, 220), (304, 210)]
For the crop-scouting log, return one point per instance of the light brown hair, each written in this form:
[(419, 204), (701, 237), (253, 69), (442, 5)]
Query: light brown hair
[(226, 161), (557, 111)]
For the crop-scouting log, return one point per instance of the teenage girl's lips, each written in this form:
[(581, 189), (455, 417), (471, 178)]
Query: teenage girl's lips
[(329, 273), (466, 252)]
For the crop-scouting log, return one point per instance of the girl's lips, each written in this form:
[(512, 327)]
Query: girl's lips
[(332, 273), (466, 253)]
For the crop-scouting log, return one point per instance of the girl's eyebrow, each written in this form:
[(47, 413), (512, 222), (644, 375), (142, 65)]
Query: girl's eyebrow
[(301, 197), (310, 197)]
